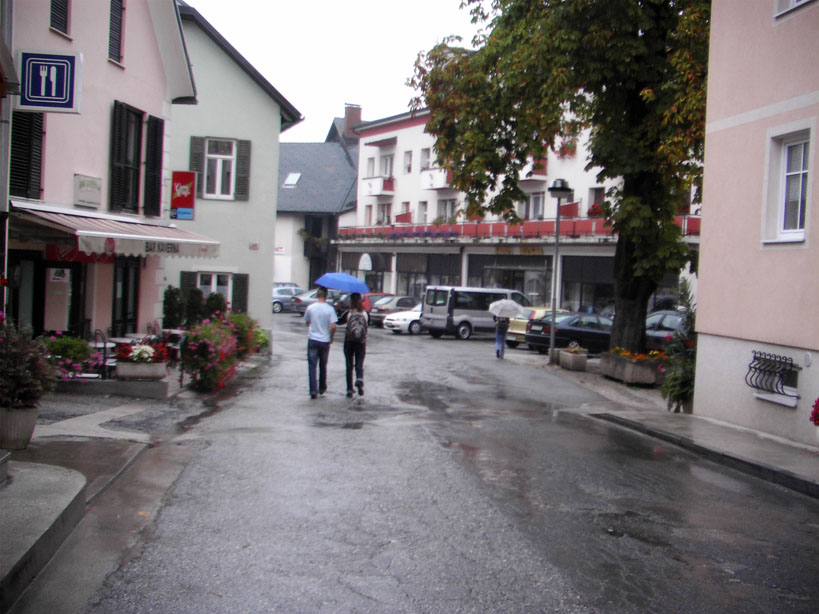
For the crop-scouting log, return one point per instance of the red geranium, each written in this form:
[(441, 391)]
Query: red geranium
[(814, 415)]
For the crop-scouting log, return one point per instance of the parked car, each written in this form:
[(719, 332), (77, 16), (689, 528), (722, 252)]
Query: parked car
[(405, 321), (586, 330), (517, 325), (302, 301), (283, 297), (370, 298), (390, 304), (660, 325)]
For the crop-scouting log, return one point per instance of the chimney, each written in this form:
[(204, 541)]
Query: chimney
[(352, 117)]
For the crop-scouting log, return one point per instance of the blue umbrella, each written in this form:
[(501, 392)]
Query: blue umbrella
[(342, 281)]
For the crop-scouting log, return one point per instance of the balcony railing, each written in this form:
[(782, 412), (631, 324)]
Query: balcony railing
[(575, 227), (436, 179), (379, 186)]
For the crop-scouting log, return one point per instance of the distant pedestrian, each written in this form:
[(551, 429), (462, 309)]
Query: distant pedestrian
[(321, 319), (501, 326), (355, 344)]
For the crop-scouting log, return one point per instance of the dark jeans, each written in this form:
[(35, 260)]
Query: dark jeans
[(354, 353), (317, 353)]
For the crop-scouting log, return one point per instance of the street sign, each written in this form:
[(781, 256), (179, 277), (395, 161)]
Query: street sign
[(50, 82)]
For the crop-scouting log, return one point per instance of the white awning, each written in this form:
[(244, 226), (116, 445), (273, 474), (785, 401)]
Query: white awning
[(108, 234)]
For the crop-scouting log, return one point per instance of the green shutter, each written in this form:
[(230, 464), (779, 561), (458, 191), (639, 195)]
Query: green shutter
[(238, 302), (115, 31), (197, 163), (26, 155), (242, 191)]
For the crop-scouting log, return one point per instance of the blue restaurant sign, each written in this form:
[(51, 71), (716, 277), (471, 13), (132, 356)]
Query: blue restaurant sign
[(50, 82)]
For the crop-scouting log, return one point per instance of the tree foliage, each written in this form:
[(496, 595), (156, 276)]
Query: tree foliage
[(632, 72)]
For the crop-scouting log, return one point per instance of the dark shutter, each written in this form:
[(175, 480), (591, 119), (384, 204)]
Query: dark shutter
[(115, 32), (197, 162), (59, 15), (243, 171), (238, 303), (187, 281), (153, 166), (126, 147), (26, 155)]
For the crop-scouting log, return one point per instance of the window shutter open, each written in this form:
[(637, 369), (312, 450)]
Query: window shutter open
[(197, 163), (26, 155), (238, 303), (115, 32), (243, 170), (59, 15), (153, 166)]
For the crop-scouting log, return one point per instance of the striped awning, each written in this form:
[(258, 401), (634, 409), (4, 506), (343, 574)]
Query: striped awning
[(109, 234)]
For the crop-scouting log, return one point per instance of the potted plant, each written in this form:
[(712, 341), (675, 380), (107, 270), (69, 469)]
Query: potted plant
[(142, 361), (680, 364), (573, 358), (25, 375), (70, 354)]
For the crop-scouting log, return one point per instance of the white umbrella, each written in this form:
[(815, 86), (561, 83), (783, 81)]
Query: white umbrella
[(505, 308)]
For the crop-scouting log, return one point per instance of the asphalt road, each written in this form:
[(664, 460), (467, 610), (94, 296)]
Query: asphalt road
[(458, 483)]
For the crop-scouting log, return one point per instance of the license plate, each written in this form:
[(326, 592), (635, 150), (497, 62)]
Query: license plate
[(536, 329)]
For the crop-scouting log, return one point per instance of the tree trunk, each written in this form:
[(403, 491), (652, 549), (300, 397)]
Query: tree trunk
[(631, 296)]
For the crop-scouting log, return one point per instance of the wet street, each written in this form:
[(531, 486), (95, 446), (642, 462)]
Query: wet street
[(458, 483)]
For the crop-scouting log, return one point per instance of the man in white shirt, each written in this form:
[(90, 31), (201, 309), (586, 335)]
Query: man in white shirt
[(321, 319)]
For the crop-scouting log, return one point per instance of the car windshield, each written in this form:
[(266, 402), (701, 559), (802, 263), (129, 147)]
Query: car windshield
[(384, 300)]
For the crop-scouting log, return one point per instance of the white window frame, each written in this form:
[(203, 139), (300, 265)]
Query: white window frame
[(779, 140), (214, 286), (534, 206), (384, 213), (802, 146), (387, 165), (447, 208), (784, 6), (370, 167), (426, 159), (407, 162), (220, 160), (422, 211)]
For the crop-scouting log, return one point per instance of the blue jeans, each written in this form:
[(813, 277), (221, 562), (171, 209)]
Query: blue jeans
[(500, 342), (317, 353), (354, 353)]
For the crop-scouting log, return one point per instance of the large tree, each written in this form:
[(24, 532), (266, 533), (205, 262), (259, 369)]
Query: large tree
[(633, 72)]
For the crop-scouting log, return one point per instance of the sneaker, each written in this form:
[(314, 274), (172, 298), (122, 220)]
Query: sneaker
[(349, 394), (314, 396), (322, 392), (359, 383)]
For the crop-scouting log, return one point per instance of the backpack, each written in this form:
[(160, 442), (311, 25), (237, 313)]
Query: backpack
[(503, 324), (356, 327)]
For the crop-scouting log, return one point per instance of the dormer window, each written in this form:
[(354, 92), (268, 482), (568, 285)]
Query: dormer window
[(292, 180)]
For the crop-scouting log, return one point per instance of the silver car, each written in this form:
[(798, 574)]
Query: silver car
[(283, 297), (302, 301)]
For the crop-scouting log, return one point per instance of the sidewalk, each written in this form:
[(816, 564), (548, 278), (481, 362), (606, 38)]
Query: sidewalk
[(72, 460)]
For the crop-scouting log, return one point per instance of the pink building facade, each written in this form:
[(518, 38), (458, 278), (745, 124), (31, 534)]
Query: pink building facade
[(758, 334), (89, 189)]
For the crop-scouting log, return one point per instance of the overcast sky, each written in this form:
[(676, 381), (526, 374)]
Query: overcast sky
[(321, 54)]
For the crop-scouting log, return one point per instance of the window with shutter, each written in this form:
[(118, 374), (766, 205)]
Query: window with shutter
[(197, 163), (126, 147), (26, 155), (115, 31), (59, 15), (153, 166), (243, 171), (222, 168), (238, 303)]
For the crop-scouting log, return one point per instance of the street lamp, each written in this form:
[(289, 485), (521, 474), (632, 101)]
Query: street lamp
[(559, 189)]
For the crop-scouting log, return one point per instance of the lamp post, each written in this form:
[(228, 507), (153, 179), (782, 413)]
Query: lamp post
[(559, 189)]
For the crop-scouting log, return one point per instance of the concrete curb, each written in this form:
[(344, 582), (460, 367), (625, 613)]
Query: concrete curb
[(755, 468), (49, 503)]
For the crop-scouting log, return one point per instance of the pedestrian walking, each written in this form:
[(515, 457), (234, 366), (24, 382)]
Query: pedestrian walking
[(355, 344), (501, 326), (321, 319)]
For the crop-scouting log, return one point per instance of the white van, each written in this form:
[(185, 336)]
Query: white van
[(460, 311)]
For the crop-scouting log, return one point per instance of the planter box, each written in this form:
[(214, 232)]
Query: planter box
[(142, 370), (629, 372), (17, 427), (573, 362)]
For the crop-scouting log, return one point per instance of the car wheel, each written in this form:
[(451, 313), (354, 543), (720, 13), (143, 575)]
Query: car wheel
[(435, 334), (464, 331), (511, 344), (414, 328), (277, 307)]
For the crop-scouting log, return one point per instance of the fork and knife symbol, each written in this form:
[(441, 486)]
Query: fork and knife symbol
[(50, 73)]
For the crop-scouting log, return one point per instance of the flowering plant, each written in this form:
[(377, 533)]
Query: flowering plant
[(638, 356), (814, 415), (25, 372), (574, 349), (143, 352), (595, 210)]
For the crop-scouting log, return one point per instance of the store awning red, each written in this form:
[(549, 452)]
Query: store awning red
[(108, 234)]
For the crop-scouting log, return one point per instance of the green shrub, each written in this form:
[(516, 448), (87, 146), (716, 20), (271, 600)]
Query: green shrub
[(209, 355), (260, 339), (243, 326), (215, 305), (71, 355), (194, 306), (173, 308), (25, 372)]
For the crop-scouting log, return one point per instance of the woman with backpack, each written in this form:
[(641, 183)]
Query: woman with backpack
[(355, 344)]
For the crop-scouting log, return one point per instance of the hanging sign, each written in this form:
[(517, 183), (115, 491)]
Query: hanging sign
[(183, 195), (50, 82)]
